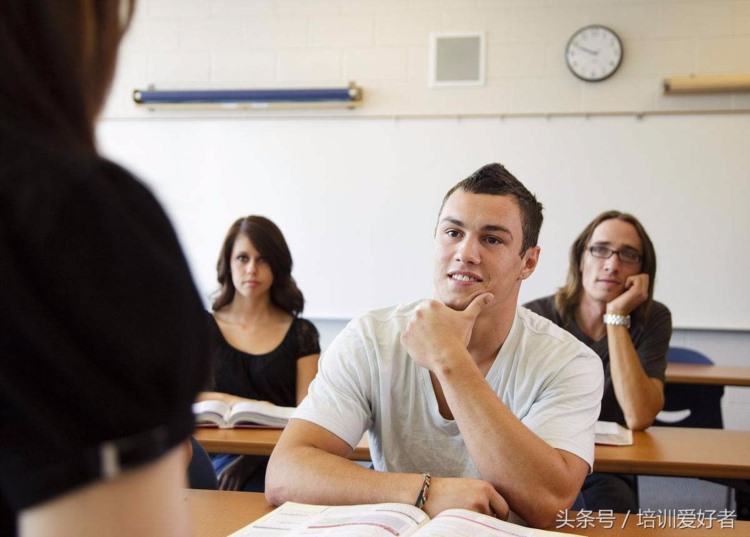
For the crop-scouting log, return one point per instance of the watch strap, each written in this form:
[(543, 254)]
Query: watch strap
[(617, 320)]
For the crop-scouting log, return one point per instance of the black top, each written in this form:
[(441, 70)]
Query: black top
[(102, 332), (268, 377), (650, 338)]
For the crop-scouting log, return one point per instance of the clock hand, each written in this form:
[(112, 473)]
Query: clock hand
[(588, 50)]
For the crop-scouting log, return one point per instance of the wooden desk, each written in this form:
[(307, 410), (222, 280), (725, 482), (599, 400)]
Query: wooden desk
[(670, 451), (254, 442), (680, 452), (217, 514), (707, 374)]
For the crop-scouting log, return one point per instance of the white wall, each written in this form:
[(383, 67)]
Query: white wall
[(383, 46), (357, 199)]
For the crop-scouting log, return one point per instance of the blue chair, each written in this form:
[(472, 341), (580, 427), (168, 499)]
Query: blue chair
[(694, 405), (200, 470), (690, 405)]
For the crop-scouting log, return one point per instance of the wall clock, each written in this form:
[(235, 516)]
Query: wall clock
[(594, 53)]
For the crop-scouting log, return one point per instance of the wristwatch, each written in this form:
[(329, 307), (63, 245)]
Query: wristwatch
[(617, 320)]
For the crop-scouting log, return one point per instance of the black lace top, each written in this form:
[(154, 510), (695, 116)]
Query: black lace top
[(269, 377)]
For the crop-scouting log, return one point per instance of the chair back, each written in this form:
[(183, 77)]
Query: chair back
[(691, 405), (579, 504), (687, 356), (201, 473)]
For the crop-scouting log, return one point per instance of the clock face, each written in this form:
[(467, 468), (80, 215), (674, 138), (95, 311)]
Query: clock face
[(594, 53)]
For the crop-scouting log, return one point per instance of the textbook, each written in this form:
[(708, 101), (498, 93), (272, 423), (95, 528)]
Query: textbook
[(215, 413), (381, 519), (612, 434)]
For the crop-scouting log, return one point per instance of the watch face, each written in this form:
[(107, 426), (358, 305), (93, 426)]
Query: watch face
[(594, 53)]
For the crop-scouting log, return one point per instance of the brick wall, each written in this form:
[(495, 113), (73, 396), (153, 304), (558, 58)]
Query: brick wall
[(383, 45)]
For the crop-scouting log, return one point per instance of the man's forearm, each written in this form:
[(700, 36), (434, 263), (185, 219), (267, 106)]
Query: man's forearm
[(311, 475), (640, 397), (308, 474), (531, 475)]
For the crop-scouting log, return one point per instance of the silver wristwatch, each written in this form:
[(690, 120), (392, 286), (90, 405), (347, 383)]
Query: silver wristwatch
[(618, 320)]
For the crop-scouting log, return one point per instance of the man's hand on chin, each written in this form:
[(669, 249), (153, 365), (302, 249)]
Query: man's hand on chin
[(437, 332)]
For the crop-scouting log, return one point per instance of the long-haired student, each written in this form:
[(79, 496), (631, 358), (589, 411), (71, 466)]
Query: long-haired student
[(608, 303), (261, 349)]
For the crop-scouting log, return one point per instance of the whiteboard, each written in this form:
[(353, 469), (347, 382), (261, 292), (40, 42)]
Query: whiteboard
[(357, 199)]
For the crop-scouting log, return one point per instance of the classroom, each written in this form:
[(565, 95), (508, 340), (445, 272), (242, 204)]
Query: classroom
[(366, 182), (355, 187)]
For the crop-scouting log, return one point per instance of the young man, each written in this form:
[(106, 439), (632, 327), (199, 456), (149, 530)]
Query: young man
[(607, 303), (494, 403)]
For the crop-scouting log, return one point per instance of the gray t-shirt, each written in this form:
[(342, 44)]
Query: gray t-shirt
[(650, 338), (368, 382)]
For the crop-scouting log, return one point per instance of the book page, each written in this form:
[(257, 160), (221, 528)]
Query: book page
[(213, 411), (260, 412), (464, 523), (376, 520), (613, 434)]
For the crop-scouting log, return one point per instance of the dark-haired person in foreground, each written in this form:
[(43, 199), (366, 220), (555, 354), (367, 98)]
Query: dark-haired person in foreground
[(103, 345), (260, 347), (607, 303), (469, 400)]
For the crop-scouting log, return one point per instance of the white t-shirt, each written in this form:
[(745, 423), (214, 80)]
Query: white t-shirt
[(367, 382)]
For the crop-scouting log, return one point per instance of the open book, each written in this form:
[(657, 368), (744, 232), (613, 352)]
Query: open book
[(382, 519), (613, 434), (246, 413)]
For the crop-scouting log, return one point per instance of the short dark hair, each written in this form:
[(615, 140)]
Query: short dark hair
[(270, 243), (568, 297), (57, 60), (496, 180)]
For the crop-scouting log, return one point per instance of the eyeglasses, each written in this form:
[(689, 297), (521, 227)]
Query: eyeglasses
[(628, 255)]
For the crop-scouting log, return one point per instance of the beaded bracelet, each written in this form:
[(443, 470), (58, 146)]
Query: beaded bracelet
[(422, 498)]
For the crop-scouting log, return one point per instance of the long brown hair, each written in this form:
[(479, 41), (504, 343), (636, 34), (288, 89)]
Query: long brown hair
[(57, 60), (568, 297), (269, 241)]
